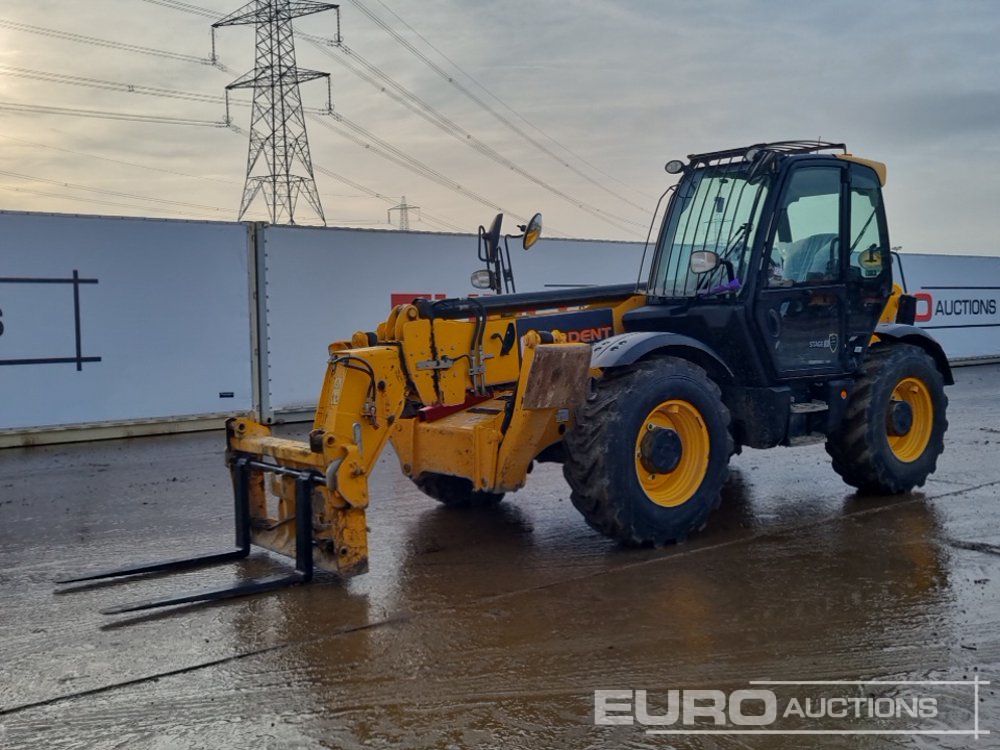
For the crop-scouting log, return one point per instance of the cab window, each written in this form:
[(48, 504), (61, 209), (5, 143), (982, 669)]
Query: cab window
[(806, 248), (869, 256)]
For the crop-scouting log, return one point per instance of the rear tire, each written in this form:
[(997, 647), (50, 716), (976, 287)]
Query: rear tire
[(455, 492), (623, 486), (866, 451)]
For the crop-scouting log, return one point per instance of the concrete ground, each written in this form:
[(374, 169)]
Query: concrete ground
[(493, 628)]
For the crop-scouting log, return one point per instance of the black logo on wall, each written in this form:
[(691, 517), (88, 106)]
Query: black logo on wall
[(75, 281)]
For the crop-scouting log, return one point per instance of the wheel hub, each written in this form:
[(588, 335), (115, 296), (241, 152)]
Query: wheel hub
[(661, 450), (899, 419)]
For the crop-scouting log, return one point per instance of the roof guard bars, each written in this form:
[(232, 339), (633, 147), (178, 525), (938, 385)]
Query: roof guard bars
[(784, 147)]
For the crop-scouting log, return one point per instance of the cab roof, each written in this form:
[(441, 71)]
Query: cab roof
[(788, 148)]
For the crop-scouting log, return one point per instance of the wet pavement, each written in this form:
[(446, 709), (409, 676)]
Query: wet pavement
[(493, 628)]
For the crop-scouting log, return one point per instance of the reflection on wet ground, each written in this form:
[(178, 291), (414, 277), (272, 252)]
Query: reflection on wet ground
[(490, 627)]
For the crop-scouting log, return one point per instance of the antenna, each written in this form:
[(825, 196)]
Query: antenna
[(277, 124)]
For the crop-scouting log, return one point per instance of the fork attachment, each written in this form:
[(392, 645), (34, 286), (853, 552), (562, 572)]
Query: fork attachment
[(320, 486), (242, 467)]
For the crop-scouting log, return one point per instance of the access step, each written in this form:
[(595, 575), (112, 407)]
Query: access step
[(809, 407)]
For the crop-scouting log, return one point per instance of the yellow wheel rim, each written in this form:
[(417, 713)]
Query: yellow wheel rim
[(909, 447), (675, 487)]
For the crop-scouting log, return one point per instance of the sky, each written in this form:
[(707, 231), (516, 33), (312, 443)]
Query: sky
[(577, 103)]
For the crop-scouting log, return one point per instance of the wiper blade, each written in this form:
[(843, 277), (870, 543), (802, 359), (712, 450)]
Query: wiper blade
[(735, 241)]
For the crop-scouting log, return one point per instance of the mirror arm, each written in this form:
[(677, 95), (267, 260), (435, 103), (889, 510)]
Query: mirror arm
[(483, 245), (509, 270), (498, 272), (499, 267)]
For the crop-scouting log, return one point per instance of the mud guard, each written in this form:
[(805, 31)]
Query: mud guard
[(908, 334), (629, 348)]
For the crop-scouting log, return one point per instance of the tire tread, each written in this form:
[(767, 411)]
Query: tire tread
[(587, 468), (857, 447)]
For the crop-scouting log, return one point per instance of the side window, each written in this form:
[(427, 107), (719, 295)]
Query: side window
[(869, 256), (806, 248)]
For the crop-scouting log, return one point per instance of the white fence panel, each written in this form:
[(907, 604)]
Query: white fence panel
[(958, 301), (324, 284), (118, 320)]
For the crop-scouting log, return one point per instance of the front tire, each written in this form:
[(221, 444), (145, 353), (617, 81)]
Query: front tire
[(649, 453), (893, 429)]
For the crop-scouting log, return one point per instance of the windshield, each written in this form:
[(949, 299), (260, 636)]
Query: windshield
[(715, 208)]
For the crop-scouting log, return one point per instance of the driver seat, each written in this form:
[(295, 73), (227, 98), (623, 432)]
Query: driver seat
[(809, 259)]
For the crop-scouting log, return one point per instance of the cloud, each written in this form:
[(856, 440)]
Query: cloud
[(623, 85)]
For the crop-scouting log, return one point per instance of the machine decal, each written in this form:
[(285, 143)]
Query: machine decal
[(585, 326), (831, 342)]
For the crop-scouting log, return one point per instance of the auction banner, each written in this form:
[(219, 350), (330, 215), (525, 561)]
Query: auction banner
[(958, 301)]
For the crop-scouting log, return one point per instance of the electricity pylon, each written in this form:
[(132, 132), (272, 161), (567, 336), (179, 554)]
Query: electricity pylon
[(277, 124), (404, 214)]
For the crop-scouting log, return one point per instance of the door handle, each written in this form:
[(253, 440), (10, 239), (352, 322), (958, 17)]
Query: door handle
[(773, 321)]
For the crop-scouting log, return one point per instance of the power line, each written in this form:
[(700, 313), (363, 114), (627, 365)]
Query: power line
[(187, 7), (442, 224), (73, 37), (147, 167), (369, 141), (420, 107), (151, 91), (479, 101), (381, 148), (98, 201), (372, 193), (400, 157), (375, 194), (380, 196), (341, 178), (106, 115), (113, 193), (117, 161), (129, 88), (391, 153), (180, 212), (510, 109), (98, 83), (169, 93)]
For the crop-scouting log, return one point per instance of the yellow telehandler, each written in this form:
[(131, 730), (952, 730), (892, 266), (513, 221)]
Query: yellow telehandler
[(768, 317)]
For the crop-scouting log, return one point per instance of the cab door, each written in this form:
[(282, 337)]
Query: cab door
[(869, 263), (801, 306)]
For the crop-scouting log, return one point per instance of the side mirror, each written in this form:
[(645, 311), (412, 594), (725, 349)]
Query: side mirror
[(482, 279), (703, 261), (491, 239), (532, 231), (871, 259)]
